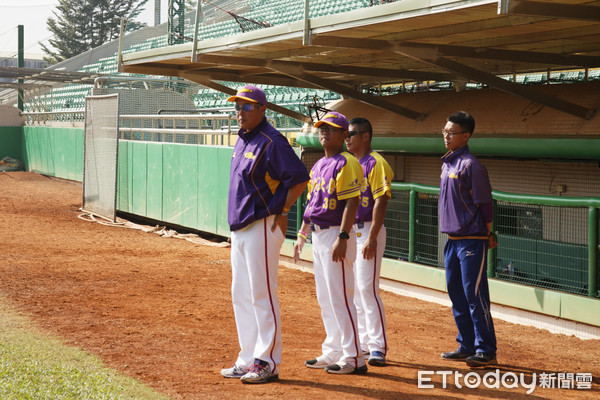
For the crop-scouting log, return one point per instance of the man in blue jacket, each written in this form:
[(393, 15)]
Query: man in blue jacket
[(465, 214)]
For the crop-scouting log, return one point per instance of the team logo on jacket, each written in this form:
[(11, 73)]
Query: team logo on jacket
[(326, 187), (250, 155)]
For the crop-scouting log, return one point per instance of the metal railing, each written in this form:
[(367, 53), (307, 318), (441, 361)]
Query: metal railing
[(47, 117), (210, 129), (190, 128), (206, 129), (544, 241)]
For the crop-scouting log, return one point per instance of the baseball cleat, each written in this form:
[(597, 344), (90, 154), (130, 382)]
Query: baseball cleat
[(233, 372), (456, 355), (317, 363), (260, 372), (345, 368), (481, 360), (377, 358)]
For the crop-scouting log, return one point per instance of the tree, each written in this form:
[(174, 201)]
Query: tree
[(81, 25)]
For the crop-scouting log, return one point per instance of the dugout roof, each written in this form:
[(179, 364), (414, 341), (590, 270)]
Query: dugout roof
[(408, 40)]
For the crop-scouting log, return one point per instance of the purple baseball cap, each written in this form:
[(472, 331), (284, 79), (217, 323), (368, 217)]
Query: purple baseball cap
[(250, 93), (334, 119)]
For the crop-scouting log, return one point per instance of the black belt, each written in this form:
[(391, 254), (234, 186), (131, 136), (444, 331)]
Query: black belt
[(360, 225)]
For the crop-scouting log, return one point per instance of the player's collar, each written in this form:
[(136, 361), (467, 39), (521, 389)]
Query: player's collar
[(247, 135), (452, 155)]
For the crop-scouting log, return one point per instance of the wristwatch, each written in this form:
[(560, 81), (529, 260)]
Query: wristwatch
[(343, 235)]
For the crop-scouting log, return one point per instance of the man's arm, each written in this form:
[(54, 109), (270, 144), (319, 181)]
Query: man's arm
[(338, 251), (300, 240), (293, 193), (370, 246)]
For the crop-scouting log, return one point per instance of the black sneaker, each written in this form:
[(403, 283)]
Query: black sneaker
[(345, 368), (481, 360), (456, 355)]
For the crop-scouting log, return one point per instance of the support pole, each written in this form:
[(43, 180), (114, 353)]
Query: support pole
[(493, 253), (593, 252), (21, 63), (306, 33), (412, 229)]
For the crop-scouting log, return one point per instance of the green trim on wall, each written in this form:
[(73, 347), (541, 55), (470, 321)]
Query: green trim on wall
[(11, 139), (554, 148)]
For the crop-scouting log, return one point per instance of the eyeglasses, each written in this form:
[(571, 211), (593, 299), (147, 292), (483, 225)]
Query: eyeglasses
[(451, 134), (246, 107), (327, 128), (352, 133)]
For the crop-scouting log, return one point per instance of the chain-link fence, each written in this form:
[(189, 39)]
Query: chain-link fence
[(546, 244), (543, 246)]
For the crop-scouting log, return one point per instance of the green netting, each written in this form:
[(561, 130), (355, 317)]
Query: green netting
[(543, 246), (397, 224)]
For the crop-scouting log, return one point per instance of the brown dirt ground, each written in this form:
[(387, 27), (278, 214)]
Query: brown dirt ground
[(160, 310)]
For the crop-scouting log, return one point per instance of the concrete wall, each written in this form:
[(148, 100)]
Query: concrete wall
[(10, 116)]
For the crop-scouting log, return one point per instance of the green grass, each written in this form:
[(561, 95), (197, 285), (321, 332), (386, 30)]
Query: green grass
[(36, 366)]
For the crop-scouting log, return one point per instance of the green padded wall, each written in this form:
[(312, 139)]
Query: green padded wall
[(179, 184), (10, 142), (53, 151)]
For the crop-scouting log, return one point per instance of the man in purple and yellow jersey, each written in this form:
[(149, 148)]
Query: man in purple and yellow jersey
[(333, 194), (376, 190), (465, 214), (266, 178)]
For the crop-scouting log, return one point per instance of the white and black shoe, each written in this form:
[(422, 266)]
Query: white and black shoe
[(233, 372), (345, 368), (316, 363)]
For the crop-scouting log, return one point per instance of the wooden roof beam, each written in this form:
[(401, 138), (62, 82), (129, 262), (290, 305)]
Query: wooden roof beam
[(431, 56), (347, 91), (549, 10), (464, 51), (319, 67), (488, 53), (215, 74), (514, 88)]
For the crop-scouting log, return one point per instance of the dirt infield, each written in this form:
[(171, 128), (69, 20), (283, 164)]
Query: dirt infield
[(160, 310)]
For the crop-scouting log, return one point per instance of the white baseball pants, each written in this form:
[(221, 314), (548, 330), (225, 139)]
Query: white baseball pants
[(254, 263), (335, 291), (369, 307)]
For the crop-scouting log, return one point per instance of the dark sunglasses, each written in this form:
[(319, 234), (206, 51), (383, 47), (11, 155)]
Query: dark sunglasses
[(246, 107), (352, 133)]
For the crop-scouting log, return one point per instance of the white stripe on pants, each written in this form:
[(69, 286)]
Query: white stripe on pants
[(335, 291), (254, 263)]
